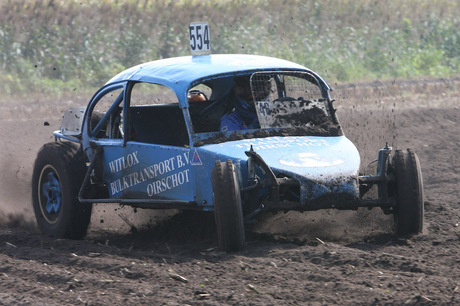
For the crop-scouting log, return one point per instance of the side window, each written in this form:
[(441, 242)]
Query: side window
[(155, 116), (152, 94), (206, 107), (107, 116)]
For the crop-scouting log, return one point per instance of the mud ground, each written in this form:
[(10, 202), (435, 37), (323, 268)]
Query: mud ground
[(326, 257)]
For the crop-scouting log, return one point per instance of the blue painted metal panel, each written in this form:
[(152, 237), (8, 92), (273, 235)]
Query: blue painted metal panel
[(187, 68), (146, 171), (318, 158), (321, 164)]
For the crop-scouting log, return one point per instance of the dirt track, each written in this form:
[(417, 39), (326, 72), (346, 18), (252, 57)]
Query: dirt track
[(328, 257)]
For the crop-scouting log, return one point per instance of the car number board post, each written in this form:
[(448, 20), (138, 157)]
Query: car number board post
[(200, 38)]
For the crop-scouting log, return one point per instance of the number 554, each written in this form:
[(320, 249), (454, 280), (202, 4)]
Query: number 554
[(200, 41)]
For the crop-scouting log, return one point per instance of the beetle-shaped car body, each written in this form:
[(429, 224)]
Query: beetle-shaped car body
[(155, 136)]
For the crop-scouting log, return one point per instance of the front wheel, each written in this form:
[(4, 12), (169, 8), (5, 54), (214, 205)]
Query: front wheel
[(227, 207), (59, 171), (408, 188)]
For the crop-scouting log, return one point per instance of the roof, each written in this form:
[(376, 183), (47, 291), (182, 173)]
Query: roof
[(178, 72)]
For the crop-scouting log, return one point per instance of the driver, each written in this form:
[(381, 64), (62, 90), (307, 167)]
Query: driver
[(243, 116)]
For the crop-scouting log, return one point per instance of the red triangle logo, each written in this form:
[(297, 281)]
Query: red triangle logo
[(196, 160)]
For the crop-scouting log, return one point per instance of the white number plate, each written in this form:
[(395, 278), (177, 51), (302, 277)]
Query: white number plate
[(200, 38)]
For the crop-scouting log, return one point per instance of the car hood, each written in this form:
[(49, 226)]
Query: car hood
[(320, 159)]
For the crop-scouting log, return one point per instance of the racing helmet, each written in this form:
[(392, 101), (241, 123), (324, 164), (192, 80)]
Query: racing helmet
[(196, 95), (250, 89)]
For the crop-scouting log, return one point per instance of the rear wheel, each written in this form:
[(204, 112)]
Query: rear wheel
[(408, 188), (59, 171), (227, 207)]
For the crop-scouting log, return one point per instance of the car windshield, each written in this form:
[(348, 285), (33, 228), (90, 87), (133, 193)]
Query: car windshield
[(276, 103), (288, 99)]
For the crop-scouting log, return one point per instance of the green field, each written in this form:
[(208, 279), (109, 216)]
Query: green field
[(53, 46)]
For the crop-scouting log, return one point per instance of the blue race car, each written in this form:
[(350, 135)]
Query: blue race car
[(234, 134)]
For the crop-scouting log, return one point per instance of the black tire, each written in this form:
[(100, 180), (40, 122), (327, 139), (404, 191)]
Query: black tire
[(59, 171), (227, 207), (408, 189)]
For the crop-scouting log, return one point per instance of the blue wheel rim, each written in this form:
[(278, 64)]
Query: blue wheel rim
[(50, 191)]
